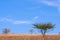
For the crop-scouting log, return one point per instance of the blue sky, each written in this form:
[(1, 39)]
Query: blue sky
[(19, 15)]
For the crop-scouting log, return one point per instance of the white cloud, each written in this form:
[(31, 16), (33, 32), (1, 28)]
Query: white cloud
[(26, 22), (55, 3), (50, 3), (15, 21), (12, 21), (21, 22), (35, 18), (6, 19)]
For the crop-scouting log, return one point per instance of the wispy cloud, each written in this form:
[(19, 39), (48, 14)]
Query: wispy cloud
[(50, 3), (18, 21), (55, 3), (21, 22), (6, 19), (14, 21), (35, 18)]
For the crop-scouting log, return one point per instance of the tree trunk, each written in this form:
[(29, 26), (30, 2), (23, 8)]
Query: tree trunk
[(43, 35)]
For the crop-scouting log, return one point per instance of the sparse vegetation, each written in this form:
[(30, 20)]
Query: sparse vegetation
[(6, 31), (27, 37), (43, 28), (31, 31)]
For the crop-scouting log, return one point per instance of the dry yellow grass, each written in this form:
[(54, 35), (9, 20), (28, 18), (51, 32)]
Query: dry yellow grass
[(28, 37)]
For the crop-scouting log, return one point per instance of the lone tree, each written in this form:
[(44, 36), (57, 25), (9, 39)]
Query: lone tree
[(6, 31), (31, 31), (43, 28)]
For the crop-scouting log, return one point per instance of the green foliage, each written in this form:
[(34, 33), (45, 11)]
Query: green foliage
[(6, 30), (43, 27)]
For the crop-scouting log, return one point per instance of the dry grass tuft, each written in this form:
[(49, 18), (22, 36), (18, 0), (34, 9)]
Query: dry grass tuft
[(27, 37)]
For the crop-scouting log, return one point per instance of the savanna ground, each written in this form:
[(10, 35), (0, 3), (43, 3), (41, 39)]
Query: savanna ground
[(28, 37)]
